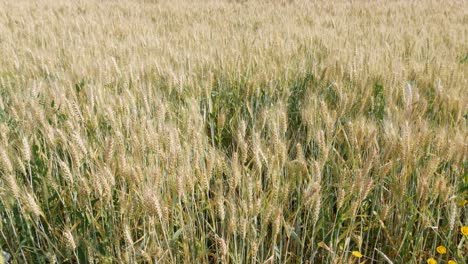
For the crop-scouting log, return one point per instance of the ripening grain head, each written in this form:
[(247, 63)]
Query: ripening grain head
[(234, 132)]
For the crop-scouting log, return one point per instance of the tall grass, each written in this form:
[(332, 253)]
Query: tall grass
[(233, 132)]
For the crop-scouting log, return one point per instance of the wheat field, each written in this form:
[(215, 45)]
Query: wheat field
[(207, 131)]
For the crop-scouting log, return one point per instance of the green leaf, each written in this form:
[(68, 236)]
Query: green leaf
[(176, 236)]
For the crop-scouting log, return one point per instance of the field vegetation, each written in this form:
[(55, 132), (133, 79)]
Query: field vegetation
[(266, 131)]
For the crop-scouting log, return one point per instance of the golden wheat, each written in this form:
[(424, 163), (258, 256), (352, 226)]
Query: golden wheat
[(257, 131)]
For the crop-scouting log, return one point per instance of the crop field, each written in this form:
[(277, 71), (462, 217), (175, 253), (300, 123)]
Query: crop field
[(259, 131)]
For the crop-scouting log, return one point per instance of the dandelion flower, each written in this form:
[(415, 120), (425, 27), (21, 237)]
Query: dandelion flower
[(464, 230), (357, 254), (431, 261), (451, 262), (463, 202), (441, 250)]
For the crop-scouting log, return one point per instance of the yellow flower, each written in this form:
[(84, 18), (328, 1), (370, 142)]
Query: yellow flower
[(464, 230), (357, 254), (441, 250), (463, 202), (431, 261), (451, 262)]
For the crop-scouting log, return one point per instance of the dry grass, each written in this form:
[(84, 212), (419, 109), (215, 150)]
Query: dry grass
[(217, 131)]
